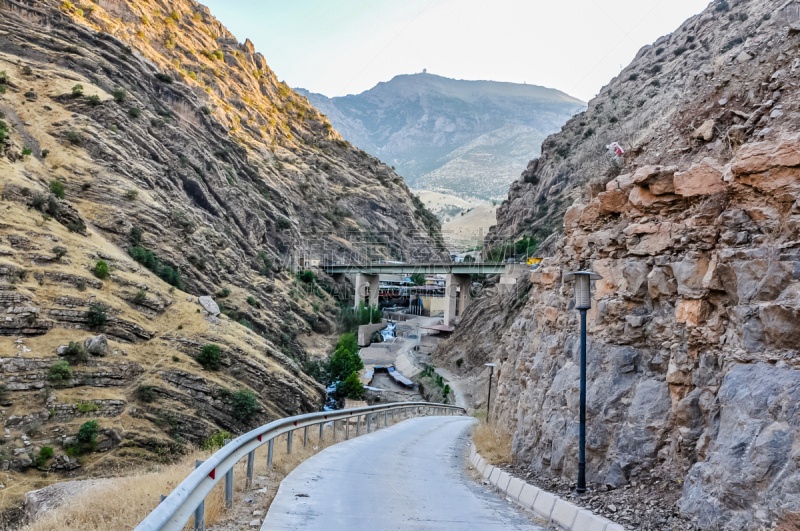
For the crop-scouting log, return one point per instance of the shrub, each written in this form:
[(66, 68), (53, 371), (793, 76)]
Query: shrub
[(77, 351), (151, 262), (135, 235), (45, 152), (306, 276), (101, 270), (77, 226), (283, 223), (145, 393), (224, 292), (245, 405), (4, 392), (459, 362), (589, 132), (245, 323), (134, 112), (59, 373), (140, 296), (77, 91), (94, 100), (57, 189), (74, 137), (722, 6), (252, 301), (44, 454), (164, 78), (345, 358), (350, 388), (216, 441), (96, 317), (205, 110), (26, 70), (131, 195), (26, 151), (210, 358), (633, 77), (87, 433), (119, 95), (218, 54), (175, 15), (680, 50)]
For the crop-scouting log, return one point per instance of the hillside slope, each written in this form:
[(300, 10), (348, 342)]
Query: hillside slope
[(693, 368), (143, 135), (448, 135)]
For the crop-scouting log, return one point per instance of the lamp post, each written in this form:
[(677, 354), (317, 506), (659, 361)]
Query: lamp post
[(583, 301), (489, 399)]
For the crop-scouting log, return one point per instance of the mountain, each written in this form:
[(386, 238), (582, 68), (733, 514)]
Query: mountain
[(147, 158), (453, 136), (693, 369)]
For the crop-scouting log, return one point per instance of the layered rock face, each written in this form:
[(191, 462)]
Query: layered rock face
[(158, 183), (693, 335)]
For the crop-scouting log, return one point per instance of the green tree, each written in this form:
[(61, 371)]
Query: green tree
[(57, 189), (210, 358), (245, 405), (77, 91), (119, 95), (101, 270), (96, 317), (87, 433), (345, 359), (59, 373), (216, 441), (350, 388), (418, 279)]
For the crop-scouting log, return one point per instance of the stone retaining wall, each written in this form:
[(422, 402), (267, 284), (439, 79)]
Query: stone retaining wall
[(544, 505)]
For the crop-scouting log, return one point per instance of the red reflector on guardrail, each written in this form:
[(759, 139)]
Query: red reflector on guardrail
[(295, 423), (259, 438), (213, 474)]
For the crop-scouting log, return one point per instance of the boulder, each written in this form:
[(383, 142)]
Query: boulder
[(97, 345), (658, 179), (689, 274), (705, 132), (660, 283), (693, 312), (613, 202), (209, 305), (702, 178)]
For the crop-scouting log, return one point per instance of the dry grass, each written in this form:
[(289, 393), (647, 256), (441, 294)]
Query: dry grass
[(492, 442), (125, 501)]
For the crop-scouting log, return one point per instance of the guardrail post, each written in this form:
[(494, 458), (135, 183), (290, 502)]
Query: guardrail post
[(347, 429), (228, 485), (251, 461), (289, 442), (368, 423), (385, 418), (199, 513), (321, 427), (305, 436), (269, 454), (358, 425), (393, 415)]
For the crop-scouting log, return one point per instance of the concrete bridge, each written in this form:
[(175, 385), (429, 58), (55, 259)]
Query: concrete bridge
[(458, 279)]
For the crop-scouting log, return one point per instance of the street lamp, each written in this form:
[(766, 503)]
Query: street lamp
[(489, 399), (583, 301)]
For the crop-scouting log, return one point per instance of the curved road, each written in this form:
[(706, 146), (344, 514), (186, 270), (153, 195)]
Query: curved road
[(410, 476)]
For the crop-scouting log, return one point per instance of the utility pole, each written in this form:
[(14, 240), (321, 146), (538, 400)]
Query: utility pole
[(489, 398)]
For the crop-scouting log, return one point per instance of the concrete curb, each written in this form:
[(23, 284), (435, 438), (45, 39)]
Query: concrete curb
[(544, 505)]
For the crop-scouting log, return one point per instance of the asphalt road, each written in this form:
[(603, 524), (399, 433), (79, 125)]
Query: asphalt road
[(410, 476)]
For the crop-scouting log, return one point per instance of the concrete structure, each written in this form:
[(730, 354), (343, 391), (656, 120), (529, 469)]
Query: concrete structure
[(457, 279), (407, 477), (365, 332)]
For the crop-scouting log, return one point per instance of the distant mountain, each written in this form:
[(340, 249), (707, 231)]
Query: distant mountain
[(468, 138)]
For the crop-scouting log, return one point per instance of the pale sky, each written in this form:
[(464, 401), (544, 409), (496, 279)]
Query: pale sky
[(339, 47)]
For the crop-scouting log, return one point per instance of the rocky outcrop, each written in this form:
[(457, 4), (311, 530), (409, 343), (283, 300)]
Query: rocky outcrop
[(693, 333)]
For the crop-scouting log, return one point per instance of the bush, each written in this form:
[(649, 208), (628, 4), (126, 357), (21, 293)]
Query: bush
[(59, 251), (245, 405), (45, 152), (97, 317), (77, 351), (224, 292), (146, 393), (57, 189), (75, 138), (252, 301), (4, 392), (140, 297), (101, 270), (77, 91), (459, 362), (135, 235), (131, 195), (345, 358), (134, 112), (164, 78), (45, 454), (283, 223), (87, 433), (350, 388), (205, 110), (210, 358), (26, 151), (151, 262), (306, 276), (119, 95), (94, 100), (245, 323), (77, 226), (216, 441), (59, 373), (26, 70)]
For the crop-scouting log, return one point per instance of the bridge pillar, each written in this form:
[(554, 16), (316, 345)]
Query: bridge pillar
[(452, 283), (362, 281)]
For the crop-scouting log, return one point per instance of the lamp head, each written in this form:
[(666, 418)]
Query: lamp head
[(583, 287), (490, 364)]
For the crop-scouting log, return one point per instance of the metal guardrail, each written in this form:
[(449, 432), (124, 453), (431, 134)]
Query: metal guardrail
[(188, 498)]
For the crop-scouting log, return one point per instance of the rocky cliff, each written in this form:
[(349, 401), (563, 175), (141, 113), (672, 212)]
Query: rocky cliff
[(460, 137), (148, 159), (693, 367)]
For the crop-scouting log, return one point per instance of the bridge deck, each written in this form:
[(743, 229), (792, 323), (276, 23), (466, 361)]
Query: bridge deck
[(459, 268)]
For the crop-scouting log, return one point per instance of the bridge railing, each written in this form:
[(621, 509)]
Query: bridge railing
[(188, 498)]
